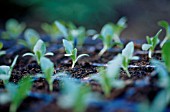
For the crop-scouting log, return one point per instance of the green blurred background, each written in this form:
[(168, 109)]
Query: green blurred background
[(142, 15)]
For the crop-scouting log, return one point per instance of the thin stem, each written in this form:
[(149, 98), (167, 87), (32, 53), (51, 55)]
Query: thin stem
[(73, 64), (162, 43), (102, 51), (51, 87), (150, 54), (127, 72)]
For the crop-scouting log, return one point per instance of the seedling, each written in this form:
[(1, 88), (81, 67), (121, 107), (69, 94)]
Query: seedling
[(162, 98), (108, 78), (74, 95), (165, 25), (51, 29), (72, 52), (1, 52), (109, 33), (13, 29), (48, 68), (127, 53), (39, 51), (18, 93), (151, 44), (5, 71), (31, 37), (72, 33), (118, 28)]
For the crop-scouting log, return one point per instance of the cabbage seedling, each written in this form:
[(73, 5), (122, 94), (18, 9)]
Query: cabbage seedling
[(51, 29), (31, 37), (72, 52), (18, 93), (118, 28), (73, 34), (39, 51), (106, 37), (1, 52), (5, 71), (109, 33), (48, 68), (108, 77), (165, 25), (127, 53), (13, 29), (151, 44), (74, 95)]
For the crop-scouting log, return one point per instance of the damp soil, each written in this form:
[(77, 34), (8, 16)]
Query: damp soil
[(140, 87)]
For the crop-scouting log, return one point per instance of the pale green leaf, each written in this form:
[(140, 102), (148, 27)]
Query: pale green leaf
[(62, 28), (146, 47), (128, 50)]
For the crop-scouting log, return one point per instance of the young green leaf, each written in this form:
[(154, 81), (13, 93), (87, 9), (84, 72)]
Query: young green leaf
[(62, 28), (51, 30), (13, 29), (1, 52), (39, 51), (76, 97), (18, 93), (109, 77), (151, 44), (165, 25), (5, 71), (72, 53), (31, 37), (166, 54), (48, 68), (127, 54)]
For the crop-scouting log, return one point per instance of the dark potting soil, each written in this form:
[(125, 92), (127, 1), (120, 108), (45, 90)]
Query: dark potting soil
[(140, 87)]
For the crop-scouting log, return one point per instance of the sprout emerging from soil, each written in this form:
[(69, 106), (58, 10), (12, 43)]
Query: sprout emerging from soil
[(31, 37), (39, 51), (127, 54), (18, 93), (72, 52), (48, 68), (5, 71), (108, 77), (152, 42), (74, 95), (165, 25), (51, 30), (13, 29), (1, 52), (72, 33), (109, 33)]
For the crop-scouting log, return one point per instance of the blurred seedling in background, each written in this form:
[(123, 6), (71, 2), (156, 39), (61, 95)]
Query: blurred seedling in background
[(110, 35), (1, 51), (5, 71), (13, 29), (152, 42), (165, 25), (108, 78), (17, 93), (72, 33), (74, 95), (72, 52), (31, 37), (51, 29), (48, 68), (39, 51)]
